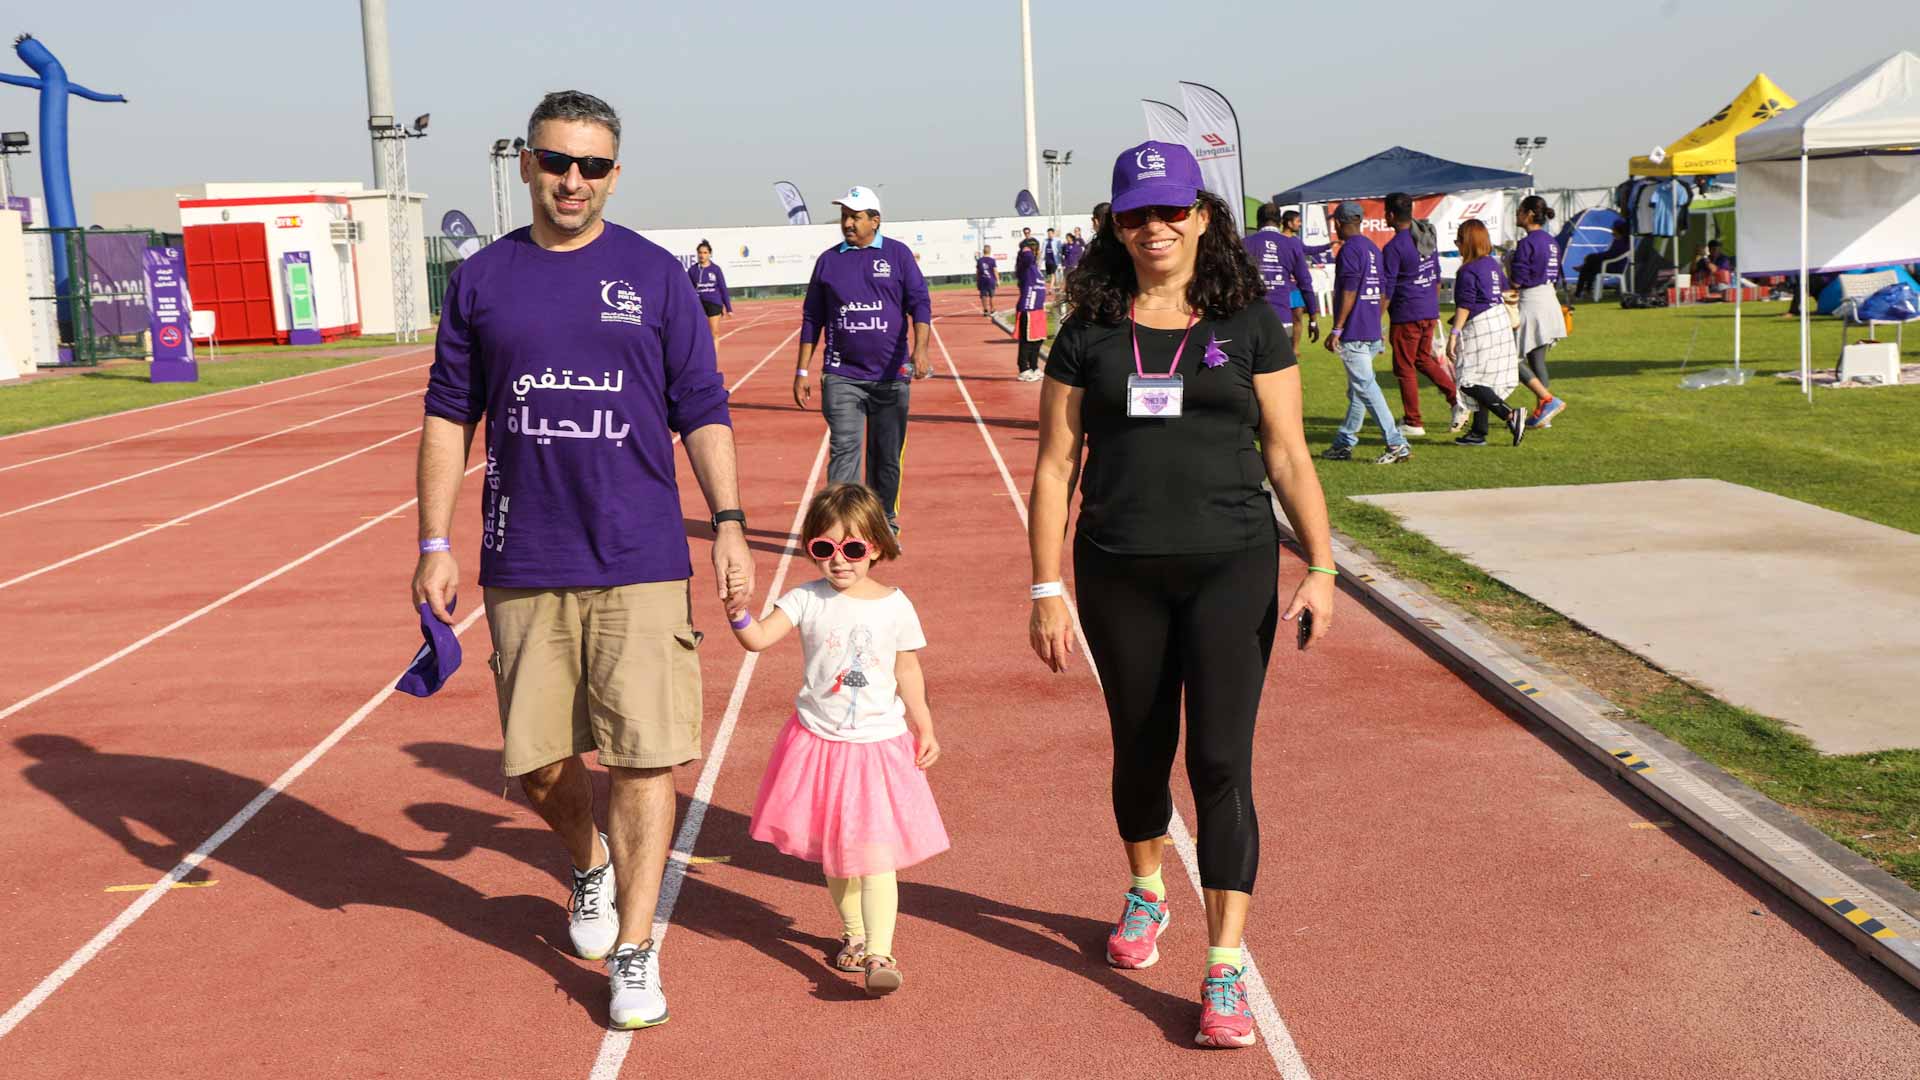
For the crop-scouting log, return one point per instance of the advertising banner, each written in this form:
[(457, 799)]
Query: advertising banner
[(296, 283), (1164, 122), (1213, 134), (170, 315), (792, 203), (1024, 204)]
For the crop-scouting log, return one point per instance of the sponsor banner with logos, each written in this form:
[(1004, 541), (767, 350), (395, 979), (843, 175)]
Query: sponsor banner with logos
[(1213, 134), (169, 315), (760, 256)]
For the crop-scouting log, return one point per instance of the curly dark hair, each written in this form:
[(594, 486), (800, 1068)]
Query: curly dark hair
[(1224, 282)]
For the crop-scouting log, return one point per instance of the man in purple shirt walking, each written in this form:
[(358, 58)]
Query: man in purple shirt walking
[(585, 350), (865, 294), (1356, 339), (1410, 272)]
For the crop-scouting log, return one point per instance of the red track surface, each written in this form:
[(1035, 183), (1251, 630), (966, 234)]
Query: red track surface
[(1448, 891)]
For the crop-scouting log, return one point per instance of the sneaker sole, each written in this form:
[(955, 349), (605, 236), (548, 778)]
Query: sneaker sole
[(1152, 957), (635, 1024), (1224, 1042)]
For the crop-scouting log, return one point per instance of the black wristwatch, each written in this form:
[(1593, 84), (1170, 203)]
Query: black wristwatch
[(729, 515)]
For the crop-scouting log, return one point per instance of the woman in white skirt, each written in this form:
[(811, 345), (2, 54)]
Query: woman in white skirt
[(1481, 346), (1533, 270)]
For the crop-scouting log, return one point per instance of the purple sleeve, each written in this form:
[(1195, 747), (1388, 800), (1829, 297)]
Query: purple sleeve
[(1466, 288), (726, 298), (913, 292), (1521, 266), (1303, 280), (813, 312), (696, 395), (457, 385)]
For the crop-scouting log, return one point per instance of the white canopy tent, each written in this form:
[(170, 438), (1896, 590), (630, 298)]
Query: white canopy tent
[(1833, 185)]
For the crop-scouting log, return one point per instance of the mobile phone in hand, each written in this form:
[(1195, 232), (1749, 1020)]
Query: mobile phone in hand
[(1306, 628)]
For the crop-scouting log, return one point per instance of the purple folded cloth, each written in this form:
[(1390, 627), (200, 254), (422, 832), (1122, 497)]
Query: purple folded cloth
[(436, 661)]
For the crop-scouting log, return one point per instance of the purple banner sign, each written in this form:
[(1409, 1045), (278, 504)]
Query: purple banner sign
[(172, 319), (25, 206), (115, 273)]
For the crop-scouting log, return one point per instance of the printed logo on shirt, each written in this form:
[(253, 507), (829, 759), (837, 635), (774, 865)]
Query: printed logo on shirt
[(622, 300), (1152, 164), (882, 268)]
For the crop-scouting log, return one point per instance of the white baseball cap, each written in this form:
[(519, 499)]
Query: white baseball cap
[(859, 198)]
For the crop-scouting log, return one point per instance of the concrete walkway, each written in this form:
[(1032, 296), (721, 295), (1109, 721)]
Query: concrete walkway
[(1799, 613)]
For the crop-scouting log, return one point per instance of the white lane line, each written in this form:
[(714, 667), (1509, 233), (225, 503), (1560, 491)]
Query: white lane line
[(208, 454), (742, 380), (189, 516), (1273, 1029), (213, 606), (204, 419), (613, 1048), (205, 397), (39, 994)]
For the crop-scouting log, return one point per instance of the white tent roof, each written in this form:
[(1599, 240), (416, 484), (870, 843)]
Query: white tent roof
[(1873, 109)]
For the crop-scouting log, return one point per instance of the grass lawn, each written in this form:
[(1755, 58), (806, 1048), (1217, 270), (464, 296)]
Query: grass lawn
[(121, 385), (1627, 419)]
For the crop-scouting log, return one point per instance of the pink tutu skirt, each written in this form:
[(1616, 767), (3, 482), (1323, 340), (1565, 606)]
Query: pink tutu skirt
[(854, 808)]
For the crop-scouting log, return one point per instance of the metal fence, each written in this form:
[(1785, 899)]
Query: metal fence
[(102, 315), (443, 254)]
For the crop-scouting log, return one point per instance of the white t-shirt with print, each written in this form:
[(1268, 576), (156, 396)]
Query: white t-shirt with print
[(850, 694)]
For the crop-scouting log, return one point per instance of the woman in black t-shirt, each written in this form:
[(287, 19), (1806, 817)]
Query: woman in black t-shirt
[(1180, 382)]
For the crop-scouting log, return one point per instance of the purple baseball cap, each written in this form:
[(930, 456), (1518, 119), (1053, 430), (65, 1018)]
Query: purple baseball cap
[(1155, 174), (436, 661)]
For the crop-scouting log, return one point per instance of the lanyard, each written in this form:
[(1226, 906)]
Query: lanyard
[(1134, 329)]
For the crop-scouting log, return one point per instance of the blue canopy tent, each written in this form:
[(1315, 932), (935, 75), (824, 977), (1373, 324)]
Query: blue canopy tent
[(1401, 169)]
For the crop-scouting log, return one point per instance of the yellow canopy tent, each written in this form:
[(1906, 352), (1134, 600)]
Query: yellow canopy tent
[(1708, 149)]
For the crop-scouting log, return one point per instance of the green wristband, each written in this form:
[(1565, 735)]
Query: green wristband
[(1323, 570)]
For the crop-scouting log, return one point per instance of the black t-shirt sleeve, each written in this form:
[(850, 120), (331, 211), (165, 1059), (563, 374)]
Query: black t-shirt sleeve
[(1066, 362), (1272, 342)]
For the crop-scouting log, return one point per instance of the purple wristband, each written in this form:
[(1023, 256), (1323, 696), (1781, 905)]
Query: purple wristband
[(435, 543), (745, 620)]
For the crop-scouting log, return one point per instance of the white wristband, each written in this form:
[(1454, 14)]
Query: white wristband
[(800, 374), (1048, 588)]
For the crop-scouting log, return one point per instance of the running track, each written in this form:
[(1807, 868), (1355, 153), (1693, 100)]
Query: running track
[(205, 602)]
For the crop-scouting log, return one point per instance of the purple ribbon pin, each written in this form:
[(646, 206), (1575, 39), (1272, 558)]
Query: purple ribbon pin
[(1214, 357)]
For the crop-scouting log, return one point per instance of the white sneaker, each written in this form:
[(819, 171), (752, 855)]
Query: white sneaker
[(1461, 414), (633, 972), (1412, 431), (592, 921)]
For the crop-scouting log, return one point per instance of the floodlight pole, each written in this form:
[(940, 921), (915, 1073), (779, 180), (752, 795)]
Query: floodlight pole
[(373, 37), (1026, 66)]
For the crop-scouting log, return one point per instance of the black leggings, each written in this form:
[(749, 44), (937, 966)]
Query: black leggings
[(1488, 402), (1029, 353), (1161, 624), (1535, 364)]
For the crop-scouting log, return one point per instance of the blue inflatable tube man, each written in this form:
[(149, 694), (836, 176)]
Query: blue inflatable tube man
[(56, 181)]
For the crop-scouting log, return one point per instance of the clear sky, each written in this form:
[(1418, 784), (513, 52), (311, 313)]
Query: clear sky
[(721, 99)]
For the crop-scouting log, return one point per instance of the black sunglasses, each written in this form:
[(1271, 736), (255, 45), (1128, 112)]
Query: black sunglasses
[(557, 163), (1134, 219)]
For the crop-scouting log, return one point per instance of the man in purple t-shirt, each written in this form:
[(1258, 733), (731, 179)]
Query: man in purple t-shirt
[(1410, 273), (1356, 339), (868, 297), (585, 350)]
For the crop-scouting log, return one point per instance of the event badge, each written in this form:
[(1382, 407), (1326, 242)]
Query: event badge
[(1154, 397)]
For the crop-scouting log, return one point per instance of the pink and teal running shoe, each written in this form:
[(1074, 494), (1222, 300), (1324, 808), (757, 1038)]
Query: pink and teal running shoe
[(1225, 1018), (1135, 941)]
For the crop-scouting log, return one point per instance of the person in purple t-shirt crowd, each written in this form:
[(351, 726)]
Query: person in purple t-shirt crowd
[(986, 278), (868, 297), (1355, 338), (1481, 343), (1410, 269), (584, 348), (1534, 269), (1282, 264), (710, 283), (1071, 252), (1030, 314)]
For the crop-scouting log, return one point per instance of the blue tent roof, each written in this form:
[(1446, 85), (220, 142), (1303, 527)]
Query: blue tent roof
[(1401, 169)]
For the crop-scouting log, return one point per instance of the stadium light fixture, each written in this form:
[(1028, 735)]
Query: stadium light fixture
[(499, 147), (420, 123), (14, 142), (379, 123), (519, 145)]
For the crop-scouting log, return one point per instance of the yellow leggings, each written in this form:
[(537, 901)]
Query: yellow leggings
[(869, 906)]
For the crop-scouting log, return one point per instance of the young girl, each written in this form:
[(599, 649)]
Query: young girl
[(846, 786), (1533, 270)]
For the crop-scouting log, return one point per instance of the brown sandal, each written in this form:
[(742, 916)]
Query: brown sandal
[(883, 976), (852, 954)]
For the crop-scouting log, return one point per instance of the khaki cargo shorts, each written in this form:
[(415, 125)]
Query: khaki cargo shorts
[(615, 670)]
